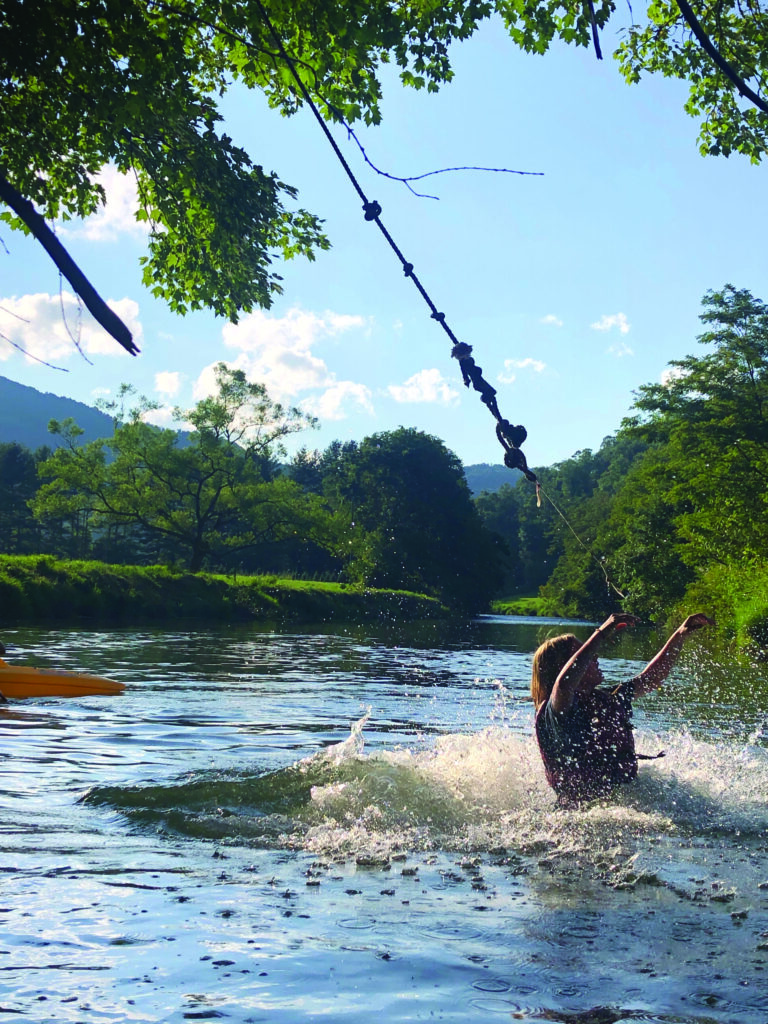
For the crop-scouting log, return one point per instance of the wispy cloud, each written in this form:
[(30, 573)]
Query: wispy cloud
[(44, 325), (608, 321), (551, 320), (336, 402), (162, 417), (279, 352), (424, 386), (508, 375), (620, 350)]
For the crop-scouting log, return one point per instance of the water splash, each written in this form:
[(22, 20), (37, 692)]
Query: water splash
[(467, 792)]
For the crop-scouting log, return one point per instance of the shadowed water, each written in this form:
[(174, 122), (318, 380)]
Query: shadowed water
[(345, 822)]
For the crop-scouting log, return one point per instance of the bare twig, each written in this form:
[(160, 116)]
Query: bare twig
[(407, 179), (10, 312), (75, 340), (24, 352)]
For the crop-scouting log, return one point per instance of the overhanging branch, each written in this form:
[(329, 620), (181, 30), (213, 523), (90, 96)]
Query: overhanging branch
[(709, 47), (100, 311)]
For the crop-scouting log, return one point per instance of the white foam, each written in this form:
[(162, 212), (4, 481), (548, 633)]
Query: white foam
[(487, 789)]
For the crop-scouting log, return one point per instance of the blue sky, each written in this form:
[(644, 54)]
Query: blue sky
[(574, 288)]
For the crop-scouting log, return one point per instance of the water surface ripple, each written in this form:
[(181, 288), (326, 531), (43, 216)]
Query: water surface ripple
[(275, 825)]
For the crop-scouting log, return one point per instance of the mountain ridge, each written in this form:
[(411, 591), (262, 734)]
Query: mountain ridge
[(25, 413)]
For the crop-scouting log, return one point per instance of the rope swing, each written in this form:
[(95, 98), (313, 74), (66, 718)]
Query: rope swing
[(510, 436)]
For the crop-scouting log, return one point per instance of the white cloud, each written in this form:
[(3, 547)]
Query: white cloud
[(278, 350), (508, 376), (424, 386), (117, 217), (551, 320), (672, 373), (44, 325), (334, 403), (162, 417), (608, 322), (168, 382), (621, 350)]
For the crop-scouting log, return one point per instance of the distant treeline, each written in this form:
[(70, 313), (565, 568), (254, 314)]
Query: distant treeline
[(673, 508), (669, 515), (393, 511)]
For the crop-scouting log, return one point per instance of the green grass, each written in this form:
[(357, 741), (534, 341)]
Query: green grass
[(519, 606), (41, 588)]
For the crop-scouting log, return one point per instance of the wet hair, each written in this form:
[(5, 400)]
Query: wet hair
[(548, 661)]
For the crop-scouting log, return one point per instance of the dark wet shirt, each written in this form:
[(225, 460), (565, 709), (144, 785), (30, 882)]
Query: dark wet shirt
[(588, 749)]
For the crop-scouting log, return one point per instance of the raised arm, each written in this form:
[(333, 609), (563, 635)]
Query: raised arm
[(657, 670), (574, 670)]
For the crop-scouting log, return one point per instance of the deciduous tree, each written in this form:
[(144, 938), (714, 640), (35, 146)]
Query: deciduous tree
[(207, 493), (711, 415), (19, 533), (411, 520)]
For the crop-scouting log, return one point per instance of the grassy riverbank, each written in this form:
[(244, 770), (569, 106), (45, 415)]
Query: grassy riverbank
[(41, 588), (519, 606)]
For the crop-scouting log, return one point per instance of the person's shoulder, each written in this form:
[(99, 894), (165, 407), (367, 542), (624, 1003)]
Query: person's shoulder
[(547, 717)]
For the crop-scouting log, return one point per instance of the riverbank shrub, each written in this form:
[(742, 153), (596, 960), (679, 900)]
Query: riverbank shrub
[(736, 596), (41, 588), (519, 606)]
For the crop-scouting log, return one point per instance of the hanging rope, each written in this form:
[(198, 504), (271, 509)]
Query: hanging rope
[(509, 436), (610, 585)]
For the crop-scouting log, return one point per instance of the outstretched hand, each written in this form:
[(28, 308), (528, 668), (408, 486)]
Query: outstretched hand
[(619, 620), (696, 621)]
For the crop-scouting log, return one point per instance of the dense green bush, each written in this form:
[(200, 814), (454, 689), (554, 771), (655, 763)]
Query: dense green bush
[(737, 598)]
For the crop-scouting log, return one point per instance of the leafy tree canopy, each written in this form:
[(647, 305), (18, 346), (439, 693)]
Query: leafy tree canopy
[(135, 83), (711, 420), (209, 493), (681, 489), (410, 518)]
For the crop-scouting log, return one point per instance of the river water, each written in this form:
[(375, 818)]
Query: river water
[(352, 823)]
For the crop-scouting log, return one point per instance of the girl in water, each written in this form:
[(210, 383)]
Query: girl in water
[(584, 732)]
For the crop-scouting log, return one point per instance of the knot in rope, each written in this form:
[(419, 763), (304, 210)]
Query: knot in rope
[(461, 351), (472, 375), (514, 435), (372, 210), (408, 269), (510, 438)]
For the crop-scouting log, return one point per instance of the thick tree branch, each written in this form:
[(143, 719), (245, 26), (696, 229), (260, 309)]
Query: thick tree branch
[(709, 47), (101, 312), (595, 35)]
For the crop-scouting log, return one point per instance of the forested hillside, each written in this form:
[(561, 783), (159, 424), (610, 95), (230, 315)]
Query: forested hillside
[(25, 414), (484, 476), (671, 510)]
